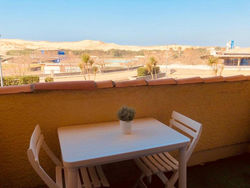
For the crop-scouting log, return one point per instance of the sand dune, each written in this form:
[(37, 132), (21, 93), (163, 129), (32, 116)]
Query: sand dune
[(16, 44)]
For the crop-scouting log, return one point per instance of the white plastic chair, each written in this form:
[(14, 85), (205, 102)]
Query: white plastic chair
[(163, 162), (91, 176)]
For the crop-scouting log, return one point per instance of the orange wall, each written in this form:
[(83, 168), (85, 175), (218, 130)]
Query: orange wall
[(222, 108)]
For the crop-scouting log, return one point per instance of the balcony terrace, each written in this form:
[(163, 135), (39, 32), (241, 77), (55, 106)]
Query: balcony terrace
[(221, 104)]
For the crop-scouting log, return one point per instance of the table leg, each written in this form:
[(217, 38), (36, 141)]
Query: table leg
[(71, 177), (182, 168)]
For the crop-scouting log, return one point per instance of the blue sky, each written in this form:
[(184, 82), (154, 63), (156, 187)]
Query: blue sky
[(132, 22)]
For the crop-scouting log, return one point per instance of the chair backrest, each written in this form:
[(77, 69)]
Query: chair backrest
[(188, 126), (36, 143)]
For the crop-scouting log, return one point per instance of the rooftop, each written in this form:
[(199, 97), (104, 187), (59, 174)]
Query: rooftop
[(240, 50)]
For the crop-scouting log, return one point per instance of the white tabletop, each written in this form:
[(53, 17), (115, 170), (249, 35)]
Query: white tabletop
[(100, 143)]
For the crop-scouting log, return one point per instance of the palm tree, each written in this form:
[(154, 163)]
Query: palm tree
[(95, 69), (213, 62), (83, 64), (151, 66), (91, 62), (86, 65)]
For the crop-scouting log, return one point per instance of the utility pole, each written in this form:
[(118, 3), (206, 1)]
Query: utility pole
[(1, 72)]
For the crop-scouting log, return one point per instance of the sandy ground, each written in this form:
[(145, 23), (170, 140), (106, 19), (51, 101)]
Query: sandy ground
[(180, 73)]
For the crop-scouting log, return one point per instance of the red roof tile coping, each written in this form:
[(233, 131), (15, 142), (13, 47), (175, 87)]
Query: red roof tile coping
[(161, 82), (105, 84), (91, 85), (15, 89), (74, 85), (130, 83), (189, 80), (213, 79), (235, 78)]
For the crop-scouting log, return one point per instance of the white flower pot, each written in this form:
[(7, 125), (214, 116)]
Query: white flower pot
[(126, 127)]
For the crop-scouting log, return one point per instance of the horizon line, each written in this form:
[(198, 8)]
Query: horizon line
[(171, 44)]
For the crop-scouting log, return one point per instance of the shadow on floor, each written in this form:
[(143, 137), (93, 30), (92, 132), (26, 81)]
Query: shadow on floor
[(233, 172)]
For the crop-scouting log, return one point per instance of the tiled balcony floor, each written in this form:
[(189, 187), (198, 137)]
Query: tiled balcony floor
[(233, 172)]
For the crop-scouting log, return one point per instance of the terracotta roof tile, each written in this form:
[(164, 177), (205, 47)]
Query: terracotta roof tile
[(15, 89), (74, 85), (130, 83), (105, 84), (161, 81), (213, 79), (235, 78), (189, 80)]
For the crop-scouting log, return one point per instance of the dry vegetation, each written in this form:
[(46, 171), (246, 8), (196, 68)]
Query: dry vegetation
[(21, 62), (23, 57)]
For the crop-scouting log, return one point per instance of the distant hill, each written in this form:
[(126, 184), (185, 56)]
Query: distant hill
[(16, 44)]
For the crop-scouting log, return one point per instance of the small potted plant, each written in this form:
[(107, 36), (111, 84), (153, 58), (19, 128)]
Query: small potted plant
[(126, 115)]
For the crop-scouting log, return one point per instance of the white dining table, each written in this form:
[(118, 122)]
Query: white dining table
[(102, 143)]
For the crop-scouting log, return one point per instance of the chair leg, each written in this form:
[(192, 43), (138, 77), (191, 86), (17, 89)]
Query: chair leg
[(140, 182), (79, 184), (173, 179), (150, 179), (163, 178)]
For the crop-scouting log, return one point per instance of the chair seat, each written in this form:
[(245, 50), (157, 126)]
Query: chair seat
[(94, 177), (153, 164), (163, 162), (91, 177), (86, 177)]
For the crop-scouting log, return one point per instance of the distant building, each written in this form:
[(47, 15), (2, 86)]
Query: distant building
[(235, 57), (55, 68), (51, 68), (230, 45)]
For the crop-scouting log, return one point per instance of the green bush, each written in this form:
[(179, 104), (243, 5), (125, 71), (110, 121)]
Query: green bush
[(20, 80), (49, 79), (29, 79), (142, 71), (11, 80)]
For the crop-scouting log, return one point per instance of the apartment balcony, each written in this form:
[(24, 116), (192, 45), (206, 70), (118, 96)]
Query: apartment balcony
[(221, 104)]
